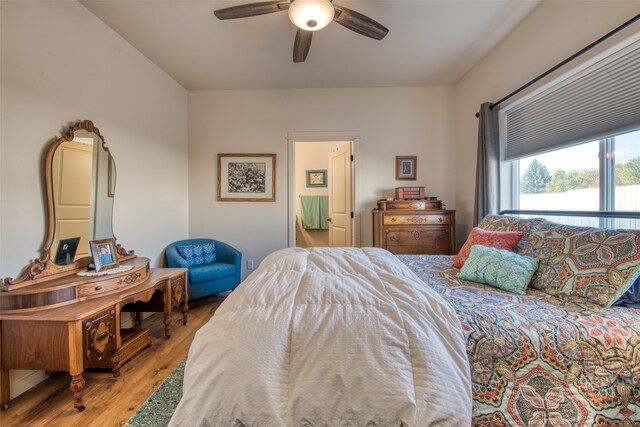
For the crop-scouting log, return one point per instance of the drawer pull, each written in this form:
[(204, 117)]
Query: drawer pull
[(440, 237), (100, 337), (98, 288), (440, 219), (393, 237), (393, 219)]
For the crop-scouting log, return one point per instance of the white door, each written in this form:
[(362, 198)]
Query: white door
[(340, 196)]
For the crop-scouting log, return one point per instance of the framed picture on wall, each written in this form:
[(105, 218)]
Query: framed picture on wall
[(104, 253), (246, 177), (406, 167), (316, 178)]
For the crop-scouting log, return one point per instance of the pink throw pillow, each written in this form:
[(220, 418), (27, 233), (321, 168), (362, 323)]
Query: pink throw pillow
[(506, 240)]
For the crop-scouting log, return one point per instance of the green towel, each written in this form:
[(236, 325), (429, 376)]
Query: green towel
[(315, 211)]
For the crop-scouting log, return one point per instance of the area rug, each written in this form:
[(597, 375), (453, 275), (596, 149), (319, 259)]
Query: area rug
[(159, 407)]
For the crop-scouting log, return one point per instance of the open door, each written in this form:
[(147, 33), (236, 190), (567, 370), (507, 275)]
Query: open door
[(340, 196)]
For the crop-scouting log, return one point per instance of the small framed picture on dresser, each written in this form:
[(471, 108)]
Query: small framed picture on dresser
[(406, 167), (104, 253)]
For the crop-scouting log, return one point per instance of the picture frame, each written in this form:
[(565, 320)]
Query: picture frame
[(104, 253), (66, 251), (406, 168), (246, 177), (316, 178)]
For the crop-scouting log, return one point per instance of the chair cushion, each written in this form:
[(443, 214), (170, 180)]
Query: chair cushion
[(213, 271), (201, 253)]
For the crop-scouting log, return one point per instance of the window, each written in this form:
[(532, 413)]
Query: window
[(574, 141), (592, 176)]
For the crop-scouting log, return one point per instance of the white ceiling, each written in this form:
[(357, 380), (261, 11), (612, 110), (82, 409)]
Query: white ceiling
[(430, 43)]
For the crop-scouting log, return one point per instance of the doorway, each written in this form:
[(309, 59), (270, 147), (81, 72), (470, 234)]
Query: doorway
[(322, 192)]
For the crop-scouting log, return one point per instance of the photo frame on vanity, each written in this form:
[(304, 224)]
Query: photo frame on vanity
[(246, 177), (406, 168), (105, 254), (316, 178)]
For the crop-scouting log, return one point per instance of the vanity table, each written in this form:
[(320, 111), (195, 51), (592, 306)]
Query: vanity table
[(52, 318)]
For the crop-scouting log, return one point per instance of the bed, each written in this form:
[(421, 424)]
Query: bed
[(555, 355), (329, 337)]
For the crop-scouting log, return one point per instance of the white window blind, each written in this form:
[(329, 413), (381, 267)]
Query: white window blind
[(601, 100)]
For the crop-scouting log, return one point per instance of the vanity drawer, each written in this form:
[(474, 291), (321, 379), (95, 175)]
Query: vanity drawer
[(100, 337), (97, 288), (416, 219)]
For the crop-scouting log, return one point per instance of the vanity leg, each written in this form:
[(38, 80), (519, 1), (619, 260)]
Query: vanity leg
[(5, 384), (167, 324), (5, 391), (77, 384), (139, 317), (115, 361), (185, 311), (168, 295), (76, 363)]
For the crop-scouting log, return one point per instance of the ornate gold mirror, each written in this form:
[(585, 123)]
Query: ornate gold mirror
[(80, 179)]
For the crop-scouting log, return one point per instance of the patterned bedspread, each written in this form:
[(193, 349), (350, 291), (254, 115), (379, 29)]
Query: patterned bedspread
[(540, 361)]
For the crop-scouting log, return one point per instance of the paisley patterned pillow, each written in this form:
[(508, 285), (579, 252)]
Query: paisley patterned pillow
[(506, 240), (584, 264), (511, 223), (202, 253), (499, 268)]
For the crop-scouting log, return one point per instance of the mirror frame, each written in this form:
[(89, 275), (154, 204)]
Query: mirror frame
[(44, 267)]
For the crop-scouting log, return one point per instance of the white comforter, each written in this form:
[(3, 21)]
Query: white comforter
[(328, 337)]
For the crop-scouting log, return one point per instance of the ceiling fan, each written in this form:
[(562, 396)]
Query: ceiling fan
[(308, 16)]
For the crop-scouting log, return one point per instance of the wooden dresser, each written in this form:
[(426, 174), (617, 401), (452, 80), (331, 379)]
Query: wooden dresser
[(414, 227)]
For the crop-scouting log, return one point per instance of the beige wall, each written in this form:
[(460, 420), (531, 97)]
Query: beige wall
[(389, 121), (53, 75), (311, 156), (552, 32)]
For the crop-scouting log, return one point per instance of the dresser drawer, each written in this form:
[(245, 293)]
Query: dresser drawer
[(418, 241), (416, 219), (410, 204)]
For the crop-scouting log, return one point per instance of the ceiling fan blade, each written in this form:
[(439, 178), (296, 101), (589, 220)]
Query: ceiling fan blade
[(359, 23), (301, 45), (251, 9)]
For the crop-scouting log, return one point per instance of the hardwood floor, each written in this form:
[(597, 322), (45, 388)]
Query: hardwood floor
[(112, 401)]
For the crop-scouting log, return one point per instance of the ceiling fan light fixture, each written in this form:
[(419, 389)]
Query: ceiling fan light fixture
[(311, 15)]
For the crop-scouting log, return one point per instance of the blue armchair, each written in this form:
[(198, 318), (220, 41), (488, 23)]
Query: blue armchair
[(208, 278)]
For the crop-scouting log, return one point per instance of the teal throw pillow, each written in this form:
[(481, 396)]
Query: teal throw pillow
[(499, 268), (202, 253)]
